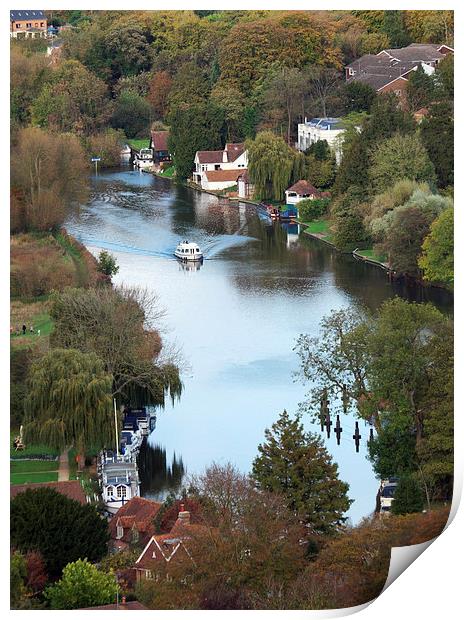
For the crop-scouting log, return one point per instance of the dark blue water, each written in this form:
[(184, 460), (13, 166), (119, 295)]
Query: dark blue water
[(235, 318)]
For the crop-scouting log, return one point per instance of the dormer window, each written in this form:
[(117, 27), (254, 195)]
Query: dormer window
[(109, 491), (119, 532)]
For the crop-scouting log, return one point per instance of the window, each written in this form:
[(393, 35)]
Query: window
[(217, 166), (135, 535), (36, 24), (119, 532), (41, 24), (153, 555), (149, 574), (109, 491), (18, 25), (121, 491), (29, 25)]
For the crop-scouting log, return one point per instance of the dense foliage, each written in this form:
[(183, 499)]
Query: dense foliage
[(61, 529)]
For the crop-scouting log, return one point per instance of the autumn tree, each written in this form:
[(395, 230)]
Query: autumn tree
[(322, 82), (28, 74), (118, 325), (158, 93), (74, 100), (296, 464), (82, 585), (437, 259), (285, 90), (61, 529), (48, 176)]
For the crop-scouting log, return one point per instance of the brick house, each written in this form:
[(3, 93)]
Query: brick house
[(133, 524), (27, 24), (390, 69)]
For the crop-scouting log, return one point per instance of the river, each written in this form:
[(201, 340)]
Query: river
[(235, 319)]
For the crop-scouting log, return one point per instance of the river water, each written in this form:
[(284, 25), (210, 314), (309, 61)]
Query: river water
[(235, 319)]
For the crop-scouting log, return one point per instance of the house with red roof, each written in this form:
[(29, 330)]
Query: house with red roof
[(133, 524), (216, 170), (301, 190), (71, 488), (159, 146)]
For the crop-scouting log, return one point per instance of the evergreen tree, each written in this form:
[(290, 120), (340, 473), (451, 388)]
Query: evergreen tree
[(420, 89), (393, 27), (408, 497), (296, 464), (437, 135), (62, 529)]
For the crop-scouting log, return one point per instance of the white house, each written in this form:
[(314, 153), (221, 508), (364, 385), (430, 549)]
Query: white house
[(301, 190), (215, 180), (232, 157), (245, 187), (329, 129)]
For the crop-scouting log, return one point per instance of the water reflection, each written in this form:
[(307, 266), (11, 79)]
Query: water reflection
[(236, 318), (157, 477)]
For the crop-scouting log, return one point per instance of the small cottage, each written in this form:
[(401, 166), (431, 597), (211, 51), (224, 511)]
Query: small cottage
[(301, 190), (245, 187), (133, 523), (159, 146)]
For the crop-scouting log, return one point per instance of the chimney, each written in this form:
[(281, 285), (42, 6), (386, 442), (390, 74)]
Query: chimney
[(183, 516)]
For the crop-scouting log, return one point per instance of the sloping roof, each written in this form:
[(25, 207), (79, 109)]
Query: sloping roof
[(164, 546), (139, 512), (416, 52), (303, 187), (234, 150), (23, 14), (160, 140), (70, 488), (218, 176), (210, 157), (244, 176)]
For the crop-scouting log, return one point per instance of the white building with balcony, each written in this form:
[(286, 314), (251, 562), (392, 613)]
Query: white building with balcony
[(329, 129)]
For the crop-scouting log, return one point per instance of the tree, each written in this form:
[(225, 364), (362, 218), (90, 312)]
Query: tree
[(48, 176), (379, 367), (158, 93), (69, 401), (400, 157), (194, 128), (132, 113), (74, 101), (285, 90), (349, 230), (107, 264), (408, 497), (18, 574), (61, 529), (270, 164), (445, 77), (437, 259), (322, 82), (394, 28), (309, 210), (128, 47), (358, 97), (189, 86), (28, 76), (437, 135), (420, 89), (82, 585), (297, 464), (229, 98), (117, 324), (353, 167), (106, 145)]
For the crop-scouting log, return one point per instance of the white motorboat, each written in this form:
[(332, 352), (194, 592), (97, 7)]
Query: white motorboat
[(188, 251), (144, 158)]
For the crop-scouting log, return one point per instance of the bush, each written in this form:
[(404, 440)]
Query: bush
[(106, 145), (408, 497), (309, 210)]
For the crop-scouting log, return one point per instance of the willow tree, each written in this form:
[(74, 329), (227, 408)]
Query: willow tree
[(270, 165), (119, 324), (69, 401)]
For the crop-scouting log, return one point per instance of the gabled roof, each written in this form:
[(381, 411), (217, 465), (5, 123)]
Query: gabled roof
[(160, 140), (302, 188), (139, 513), (71, 488), (210, 157), (23, 14), (159, 548), (416, 52), (218, 176), (234, 150)]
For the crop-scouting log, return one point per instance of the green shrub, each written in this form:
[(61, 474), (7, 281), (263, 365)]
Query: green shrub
[(408, 497), (309, 210)]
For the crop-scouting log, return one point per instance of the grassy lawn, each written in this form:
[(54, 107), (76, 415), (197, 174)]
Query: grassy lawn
[(168, 172), (37, 450), (320, 227), (39, 320), (370, 254), (30, 467), (34, 477), (139, 143)]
